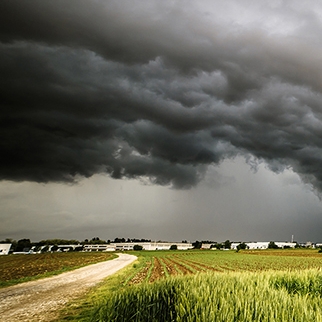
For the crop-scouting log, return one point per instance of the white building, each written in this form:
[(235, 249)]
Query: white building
[(206, 246), (130, 246), (4, 249), (264, 245), (99, 247)]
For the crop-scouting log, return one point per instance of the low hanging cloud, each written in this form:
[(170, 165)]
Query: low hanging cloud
[(157, 90)]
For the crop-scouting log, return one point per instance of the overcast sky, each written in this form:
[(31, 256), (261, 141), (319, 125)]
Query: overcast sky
[(165, 120)]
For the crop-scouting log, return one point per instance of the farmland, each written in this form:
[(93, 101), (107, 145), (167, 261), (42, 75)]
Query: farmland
[(156, 265), (19, 268), (270, 285)]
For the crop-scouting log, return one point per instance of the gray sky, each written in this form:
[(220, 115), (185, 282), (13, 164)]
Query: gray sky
[(161, 119)]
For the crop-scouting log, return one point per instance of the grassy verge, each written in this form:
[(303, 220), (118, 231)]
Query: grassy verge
[(84, 309)]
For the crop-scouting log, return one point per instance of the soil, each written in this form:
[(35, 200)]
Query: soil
[(184, 270), (203, 267), (142, 275), (157, 272), (14, 267), (42, 299), (170, 267)]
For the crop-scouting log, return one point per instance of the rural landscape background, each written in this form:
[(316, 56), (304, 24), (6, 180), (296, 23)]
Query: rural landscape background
[(195, 121)]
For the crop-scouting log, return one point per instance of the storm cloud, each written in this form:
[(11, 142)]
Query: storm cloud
[(159, 90)]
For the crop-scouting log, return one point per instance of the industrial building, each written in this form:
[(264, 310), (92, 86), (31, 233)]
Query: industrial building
[(130, 246)]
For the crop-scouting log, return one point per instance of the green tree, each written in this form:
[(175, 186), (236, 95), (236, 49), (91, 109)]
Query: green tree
[(241, 246), (137, 247), (227, 244), (173, 247), (197, 244), (272, 245), (23, 245), (217, 246)]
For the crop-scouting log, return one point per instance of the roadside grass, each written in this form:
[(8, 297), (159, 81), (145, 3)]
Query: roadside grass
[(15, 269), (83, 309)]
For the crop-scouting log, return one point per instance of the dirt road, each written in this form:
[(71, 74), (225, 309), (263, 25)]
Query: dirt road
[(40, 300)]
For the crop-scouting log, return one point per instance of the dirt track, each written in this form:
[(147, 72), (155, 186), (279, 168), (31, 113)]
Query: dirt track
[(40, 300)]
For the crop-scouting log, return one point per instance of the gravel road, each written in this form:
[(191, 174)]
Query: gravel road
[(39, 300)]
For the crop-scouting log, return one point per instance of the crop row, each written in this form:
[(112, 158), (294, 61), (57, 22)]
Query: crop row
[(164, 264)]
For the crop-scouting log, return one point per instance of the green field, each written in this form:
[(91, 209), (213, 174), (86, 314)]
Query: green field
[(281, 285)]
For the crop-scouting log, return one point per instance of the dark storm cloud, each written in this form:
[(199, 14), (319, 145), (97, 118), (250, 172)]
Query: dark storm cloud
[(155, 90)]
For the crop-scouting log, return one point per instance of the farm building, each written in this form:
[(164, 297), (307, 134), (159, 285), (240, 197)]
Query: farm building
[(264, 245), (130, 246), (4, 249), (99, 247), (206, 246)]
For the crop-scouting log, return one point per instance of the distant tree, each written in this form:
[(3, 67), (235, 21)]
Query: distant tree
[(217, 245), (7, 241), (241, 246), (197, 244), (173, 247), (207, 242), (23, 245), (119, 240), (272, 245), (93, 241), (57, 242), (227, 244), (137, 247)]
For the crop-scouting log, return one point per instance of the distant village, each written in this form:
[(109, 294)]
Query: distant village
[(25, 246)]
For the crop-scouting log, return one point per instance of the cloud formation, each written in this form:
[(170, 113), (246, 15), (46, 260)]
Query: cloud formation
[(158, 90)]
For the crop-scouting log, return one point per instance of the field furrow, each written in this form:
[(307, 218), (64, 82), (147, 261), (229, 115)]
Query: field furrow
[(142, 275), (157, 271), (182, 267)]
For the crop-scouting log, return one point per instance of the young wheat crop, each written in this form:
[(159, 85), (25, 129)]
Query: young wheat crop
[(233, 296)]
